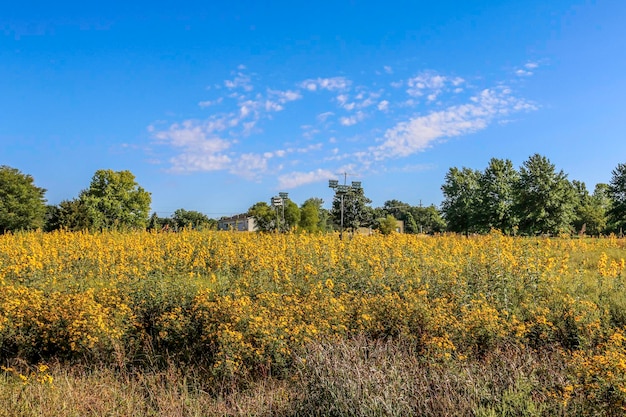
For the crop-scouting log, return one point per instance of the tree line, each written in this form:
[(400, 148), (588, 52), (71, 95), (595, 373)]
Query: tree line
[(535, 199), (113, 200)]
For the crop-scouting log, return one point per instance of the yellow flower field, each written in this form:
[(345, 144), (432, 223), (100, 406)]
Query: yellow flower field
[(248, 305)]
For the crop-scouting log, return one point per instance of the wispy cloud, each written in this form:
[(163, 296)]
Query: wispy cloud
[(296, 179), (420, 132), (330, 84), (431, 85), (240, 80), (200, 149), (254, 130), (527, 69), (353, 119)]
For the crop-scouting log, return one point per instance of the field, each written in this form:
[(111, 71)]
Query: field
[(220, 323)]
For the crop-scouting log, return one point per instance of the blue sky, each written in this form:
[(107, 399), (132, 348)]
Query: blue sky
[(217, 105)]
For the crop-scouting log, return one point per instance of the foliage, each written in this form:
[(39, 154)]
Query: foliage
[(292, 215), (193, 219), (70, 215), (545, 199), (22, 203), (266, 217), (428, 219), (495, 205), (590, 210), (461, 199), (388, 225), (310, 215), (114, 200), (617, 193), (356, 210)]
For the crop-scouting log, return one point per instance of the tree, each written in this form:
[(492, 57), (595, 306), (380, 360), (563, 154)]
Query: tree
[(193, 220), (496, 197), (264, 216), (22, 204), (72, 215), (310, 215), (410, 225), (115, 200), (617, 193), (590, 210), (356, 210), (545, 199), (388, 225), (461, 199), (428, 219), (396, 208), (292, 214)]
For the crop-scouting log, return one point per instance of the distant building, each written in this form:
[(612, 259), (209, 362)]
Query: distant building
[(240, 223)]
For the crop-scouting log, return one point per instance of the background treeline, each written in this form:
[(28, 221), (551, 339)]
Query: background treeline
[(535, 199)]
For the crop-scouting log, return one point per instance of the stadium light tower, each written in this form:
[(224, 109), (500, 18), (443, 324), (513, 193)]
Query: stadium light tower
[(342, 190)]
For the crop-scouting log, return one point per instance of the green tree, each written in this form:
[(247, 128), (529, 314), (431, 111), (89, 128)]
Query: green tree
[(115, 200), (264, 216), (617, 193), (356, 210), (461, 199), (545, 199), (428, 219), (292, 214), (388, 225), (496, 197), (72, 215), (22, 203), (310, 215), (590, 210), (396, 208), (193, 220), (410, 225)]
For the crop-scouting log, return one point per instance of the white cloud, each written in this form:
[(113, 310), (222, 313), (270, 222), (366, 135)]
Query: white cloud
[(296, 179), (241, 80), (388, 69), (322, 117), (250, 166), (418, 133), (284, 96), (221, 141), (352, 120), (201, 150), (330, 84), (527, 70), (431, 84), (272, 106), (523, 73), (209, 103)]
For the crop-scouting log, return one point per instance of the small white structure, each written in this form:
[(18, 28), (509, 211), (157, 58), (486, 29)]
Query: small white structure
[(239, 223)]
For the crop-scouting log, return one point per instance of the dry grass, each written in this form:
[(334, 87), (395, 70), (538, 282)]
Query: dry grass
[(80, 392)]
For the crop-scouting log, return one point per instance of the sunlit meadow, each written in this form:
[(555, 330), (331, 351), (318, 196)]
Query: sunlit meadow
[(226, 323)]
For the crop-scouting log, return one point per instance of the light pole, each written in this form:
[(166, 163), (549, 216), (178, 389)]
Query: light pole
[(283, 197), (276, 202), (342, 190)]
